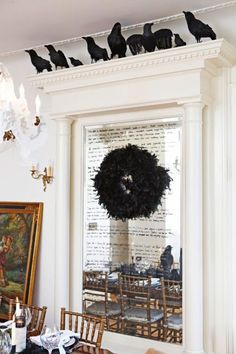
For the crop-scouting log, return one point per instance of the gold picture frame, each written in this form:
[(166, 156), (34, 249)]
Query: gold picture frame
[(20, 228)]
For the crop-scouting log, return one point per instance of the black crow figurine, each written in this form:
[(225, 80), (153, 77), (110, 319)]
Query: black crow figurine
[(96, 52), (57, 57), (135, 43), (198, 29), (163, 38), (148, 39), (75, 62), (117, 42), (38, 62), (167, 260), (179, 42)]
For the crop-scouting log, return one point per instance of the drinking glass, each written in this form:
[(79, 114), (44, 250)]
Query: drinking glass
[(28, 316), (5, 342), (50, 338)]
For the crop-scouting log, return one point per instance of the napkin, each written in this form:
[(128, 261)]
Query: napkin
[(7, 323), (64, 338), (113, 276)]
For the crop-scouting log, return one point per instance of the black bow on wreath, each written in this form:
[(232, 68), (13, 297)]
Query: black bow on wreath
[(130, 184)]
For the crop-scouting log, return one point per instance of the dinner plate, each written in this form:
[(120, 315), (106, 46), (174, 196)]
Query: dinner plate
[(71, 343)]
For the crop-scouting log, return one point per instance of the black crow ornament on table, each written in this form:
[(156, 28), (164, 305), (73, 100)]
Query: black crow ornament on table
[(163, 38), (38, 62), (117, 42), (198, 29), (148, 38), (135, 43), (167, 261), (75, 62), (96, 52), (179, 42), (57, 57)]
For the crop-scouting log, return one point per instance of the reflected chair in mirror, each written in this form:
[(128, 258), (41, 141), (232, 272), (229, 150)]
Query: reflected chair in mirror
[(172, 306), (90, 328), (173, 299), (139, 315), (99, 301), (38, 314)]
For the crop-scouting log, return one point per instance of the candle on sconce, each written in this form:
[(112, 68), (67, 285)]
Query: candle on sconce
[(22, 97), (49, 171), (37, 105), (22, 92), (34, 166)]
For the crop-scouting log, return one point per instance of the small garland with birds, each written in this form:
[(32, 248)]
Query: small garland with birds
[(130, 183)]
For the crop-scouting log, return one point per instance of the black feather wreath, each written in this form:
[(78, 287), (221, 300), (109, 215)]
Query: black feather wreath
[(130, 184)]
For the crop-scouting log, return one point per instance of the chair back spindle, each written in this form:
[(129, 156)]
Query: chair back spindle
[(90, 328), (38, 314)]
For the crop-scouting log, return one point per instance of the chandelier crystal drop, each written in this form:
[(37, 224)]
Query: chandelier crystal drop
[(16, 123)]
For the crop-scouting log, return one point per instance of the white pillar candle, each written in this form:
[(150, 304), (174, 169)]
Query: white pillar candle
[(17, 307)]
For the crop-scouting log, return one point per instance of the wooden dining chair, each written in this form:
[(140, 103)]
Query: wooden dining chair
[(172, 306), (138, 312), (97, 299), (38, 314), (90, 328)]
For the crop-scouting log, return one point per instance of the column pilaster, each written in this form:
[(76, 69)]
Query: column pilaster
[(62, 217), (192, 229)]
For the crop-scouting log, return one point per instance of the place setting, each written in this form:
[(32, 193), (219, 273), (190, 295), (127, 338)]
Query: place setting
[(52, 340)]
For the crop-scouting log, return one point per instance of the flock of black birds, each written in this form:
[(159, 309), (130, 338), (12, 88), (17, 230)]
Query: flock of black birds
[(137, 43)]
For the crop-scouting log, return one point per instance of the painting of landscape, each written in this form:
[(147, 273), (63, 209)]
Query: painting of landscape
[(20, 225)]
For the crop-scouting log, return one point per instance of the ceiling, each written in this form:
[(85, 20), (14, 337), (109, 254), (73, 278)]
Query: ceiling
[(30, 23)]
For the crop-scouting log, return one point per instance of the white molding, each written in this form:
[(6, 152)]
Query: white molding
[(162, 62), (138, 82), (232, 207)]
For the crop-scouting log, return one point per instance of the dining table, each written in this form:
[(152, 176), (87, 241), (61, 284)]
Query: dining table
[(81, 348), (88, 349)]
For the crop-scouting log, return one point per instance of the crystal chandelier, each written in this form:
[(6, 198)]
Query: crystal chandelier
[(16, 124)]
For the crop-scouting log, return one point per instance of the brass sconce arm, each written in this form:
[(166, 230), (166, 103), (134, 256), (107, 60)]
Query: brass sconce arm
[(46, 176)]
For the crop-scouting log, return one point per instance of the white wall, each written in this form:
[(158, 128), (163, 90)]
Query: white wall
[(16, 182)]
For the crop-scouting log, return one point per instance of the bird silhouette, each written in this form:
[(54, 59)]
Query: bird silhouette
[(135, 43), (167, 260), (148, 38), (38, 62), (163, 38), (75, 62), (197, 28), (179, 42), (57, 57), (117, 42), (96, 52)]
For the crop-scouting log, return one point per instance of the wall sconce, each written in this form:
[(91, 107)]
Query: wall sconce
[(46, 175)]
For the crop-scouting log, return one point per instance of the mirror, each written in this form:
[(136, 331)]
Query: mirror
[(144, 249)]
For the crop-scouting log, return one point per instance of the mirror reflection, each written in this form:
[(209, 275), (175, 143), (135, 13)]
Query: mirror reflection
[(133, 268)]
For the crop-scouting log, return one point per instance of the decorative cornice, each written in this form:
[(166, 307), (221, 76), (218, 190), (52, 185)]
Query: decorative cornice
[(219, 52), (131, 27)]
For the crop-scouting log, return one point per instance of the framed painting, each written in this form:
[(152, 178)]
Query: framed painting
[(20, 228)]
